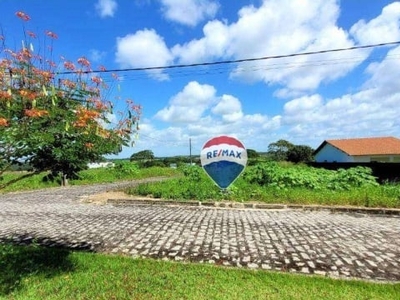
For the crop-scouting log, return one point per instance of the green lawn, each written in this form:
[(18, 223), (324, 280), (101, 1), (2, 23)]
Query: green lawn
[(33, 272), (125, 171)]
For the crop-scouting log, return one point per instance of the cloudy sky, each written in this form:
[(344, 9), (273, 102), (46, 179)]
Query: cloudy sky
[(304, 99)]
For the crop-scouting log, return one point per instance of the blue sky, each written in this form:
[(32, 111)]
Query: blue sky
[(303, 99)]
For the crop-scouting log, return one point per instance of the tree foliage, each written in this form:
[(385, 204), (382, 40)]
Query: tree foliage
[(300, 153), (279, 150), (252, 153), (142, 155), (283, 150), (54, 115)]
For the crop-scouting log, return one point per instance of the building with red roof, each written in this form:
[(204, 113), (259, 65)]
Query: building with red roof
[(379, 149)]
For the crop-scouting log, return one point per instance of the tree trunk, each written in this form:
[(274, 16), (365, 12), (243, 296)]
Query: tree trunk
[(64, 179)]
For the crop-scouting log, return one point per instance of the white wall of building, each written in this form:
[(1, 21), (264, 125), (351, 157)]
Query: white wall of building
[(331, 154), (362, 158), (101, 165)]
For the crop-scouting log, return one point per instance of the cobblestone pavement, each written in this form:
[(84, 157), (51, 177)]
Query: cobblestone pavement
[(313, 242)]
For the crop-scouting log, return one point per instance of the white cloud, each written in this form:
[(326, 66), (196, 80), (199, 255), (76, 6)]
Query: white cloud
[(303, 104), (106, 8), (145, 48), (189, 104), (199, 113), (372, 111), (279, 27), (213, 45), (189, 12), (384, 75), (229, 108), (384, 28), (305, 109)]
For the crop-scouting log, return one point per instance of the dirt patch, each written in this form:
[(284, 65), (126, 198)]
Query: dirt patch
[(102, 198)]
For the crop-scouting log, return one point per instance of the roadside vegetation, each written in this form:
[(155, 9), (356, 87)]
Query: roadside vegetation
[(272, 182), (35, 272), (123, 170), (262, 182)]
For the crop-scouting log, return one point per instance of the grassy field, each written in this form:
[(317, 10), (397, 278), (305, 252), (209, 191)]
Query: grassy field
[(33, 272), (122, 171)]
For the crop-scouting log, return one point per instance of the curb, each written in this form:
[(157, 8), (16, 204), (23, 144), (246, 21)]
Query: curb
[(234, 205)]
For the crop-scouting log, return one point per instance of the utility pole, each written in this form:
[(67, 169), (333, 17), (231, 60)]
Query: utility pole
[(190, 150)]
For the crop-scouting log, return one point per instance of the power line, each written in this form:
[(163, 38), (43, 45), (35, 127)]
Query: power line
[(253, 68), (223, 62)]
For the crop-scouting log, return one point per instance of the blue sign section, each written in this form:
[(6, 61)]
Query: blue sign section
[(223, 158), (223, 172)]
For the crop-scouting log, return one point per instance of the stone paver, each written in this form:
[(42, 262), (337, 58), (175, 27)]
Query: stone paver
[(313, 242)]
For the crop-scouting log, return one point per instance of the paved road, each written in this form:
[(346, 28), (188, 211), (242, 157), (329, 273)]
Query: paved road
[(313, 242)]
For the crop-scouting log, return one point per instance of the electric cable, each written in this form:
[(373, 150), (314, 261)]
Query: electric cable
[(224, 62)]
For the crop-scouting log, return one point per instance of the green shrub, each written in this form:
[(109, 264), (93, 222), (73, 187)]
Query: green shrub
[(124, 169), (281, 176)]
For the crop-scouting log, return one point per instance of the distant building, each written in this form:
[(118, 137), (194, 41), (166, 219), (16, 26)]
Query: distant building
[(101, 165), (375, 149)]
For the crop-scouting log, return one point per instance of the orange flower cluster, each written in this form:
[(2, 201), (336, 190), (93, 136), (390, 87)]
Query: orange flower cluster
[(68, 83), (5, 63), (3, 122), (35, 113), (98, 104), (69, 66), (122, 132), (31, 95), (4, 95), (51, 63), (51, 34), (104, 133), (97, 80), (46, 75), (31, 34), (23, 55), (84, 116), (26, 53), (89, 145), (41, 76), (84, 62), (23, 16)]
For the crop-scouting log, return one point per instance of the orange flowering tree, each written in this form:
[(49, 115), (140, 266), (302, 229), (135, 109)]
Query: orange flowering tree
[(53, 116)]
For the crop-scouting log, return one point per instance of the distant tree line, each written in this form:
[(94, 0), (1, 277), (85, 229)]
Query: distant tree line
[(281, 150), (146, 159)]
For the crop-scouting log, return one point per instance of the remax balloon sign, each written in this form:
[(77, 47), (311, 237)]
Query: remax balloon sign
[(223, 158)]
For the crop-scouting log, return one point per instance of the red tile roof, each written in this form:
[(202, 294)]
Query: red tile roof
[(367, 146)]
